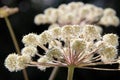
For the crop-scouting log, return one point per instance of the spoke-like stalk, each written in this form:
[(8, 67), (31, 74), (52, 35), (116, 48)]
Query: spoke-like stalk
[(54, 73), (70, 72), (15, 43), (101, 69)]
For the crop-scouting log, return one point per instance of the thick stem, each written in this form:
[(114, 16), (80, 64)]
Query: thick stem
[(54, 72), (15, 43), (70, 72)]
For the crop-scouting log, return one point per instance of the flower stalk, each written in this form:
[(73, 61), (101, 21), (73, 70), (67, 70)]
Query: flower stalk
[(12, 34), (70, 72), (53, 74)]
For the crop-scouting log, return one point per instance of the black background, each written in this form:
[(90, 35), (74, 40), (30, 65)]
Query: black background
[(23, 23)]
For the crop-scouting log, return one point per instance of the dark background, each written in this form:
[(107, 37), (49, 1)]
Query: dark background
[(22, 23)]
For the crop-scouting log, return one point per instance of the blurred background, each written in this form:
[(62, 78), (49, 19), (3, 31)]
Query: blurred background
[(23, 23)]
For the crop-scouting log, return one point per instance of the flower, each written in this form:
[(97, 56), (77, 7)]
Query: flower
[(53, 26), (84, 48), (43, 59), (109, 20), (40, 19), (29, 50), (45, 37), (30, 39), (78, 45), (22, 62), (56, 32), (16, 62), (10, 62), (78, 13), (67, 31), (54, 53), (6, 11), (111, 39), (108, 54), (91, 33), (109, 11)]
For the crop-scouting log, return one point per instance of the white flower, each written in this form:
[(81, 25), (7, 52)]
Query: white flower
[(77, 30), (109, 21), (56, 32), (45, 37), (108, 54), (78, 45), (55, 43), (53, 26), (75, 5), (109, 11), (62, 7), (99, 29), (83, 12), (54, 53), (30, 39), (29, 50), (43, 60), (51, 11), (78, 13), (15, 62), (22, 61), (90, 33), (40, 19), (90, 46), (10, 62), (67, 31), (111, 39)]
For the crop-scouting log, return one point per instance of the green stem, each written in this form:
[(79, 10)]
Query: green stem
[(70, 72), (15, 43)]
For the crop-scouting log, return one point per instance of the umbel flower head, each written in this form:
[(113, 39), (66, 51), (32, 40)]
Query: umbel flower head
[(6, 11), (77, 13), (66, 46)]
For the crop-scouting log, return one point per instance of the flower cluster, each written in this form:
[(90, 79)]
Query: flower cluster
[(16, 62), (6, 11), (77, 13), (65, 46)]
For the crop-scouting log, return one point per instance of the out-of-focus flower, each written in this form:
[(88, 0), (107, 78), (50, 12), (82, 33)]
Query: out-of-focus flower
[(78, 13), (6, 11)]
